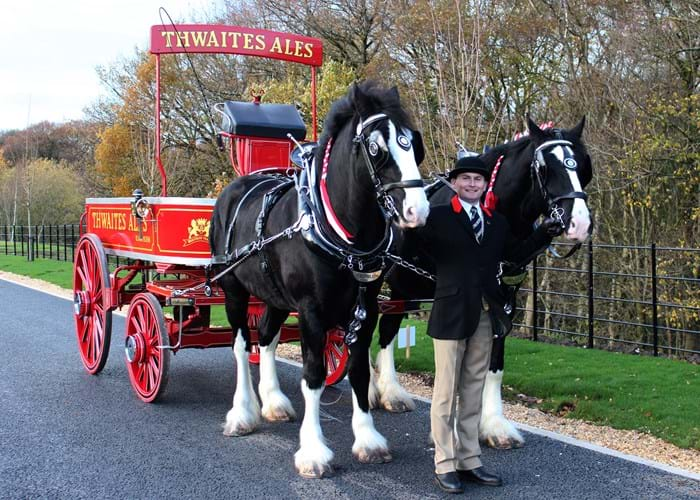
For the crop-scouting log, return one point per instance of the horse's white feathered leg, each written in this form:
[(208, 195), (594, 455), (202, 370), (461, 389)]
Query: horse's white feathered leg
[(393, 397), (369, 446), (494, 429), (313, 459), (276, 406), (244, 416)]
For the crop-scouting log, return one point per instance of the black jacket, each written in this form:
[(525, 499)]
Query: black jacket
[(467, 270)]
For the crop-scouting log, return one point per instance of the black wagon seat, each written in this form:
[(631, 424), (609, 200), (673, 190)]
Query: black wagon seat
[(259, 131)]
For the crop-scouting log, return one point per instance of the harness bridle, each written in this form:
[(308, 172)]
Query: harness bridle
[(536, 169), (370, 149)]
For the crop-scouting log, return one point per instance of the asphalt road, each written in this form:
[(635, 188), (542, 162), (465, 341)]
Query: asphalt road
[(67, 434)]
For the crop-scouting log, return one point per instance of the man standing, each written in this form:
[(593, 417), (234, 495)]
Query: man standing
[(467, 242)]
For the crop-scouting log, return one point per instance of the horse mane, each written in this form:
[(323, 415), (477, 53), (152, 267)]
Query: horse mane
[(363, 100)]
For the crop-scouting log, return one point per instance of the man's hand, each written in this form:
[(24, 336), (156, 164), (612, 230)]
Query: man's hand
[(551, 227)]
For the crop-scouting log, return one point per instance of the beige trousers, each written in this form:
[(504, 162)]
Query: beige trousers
[(460, 371)]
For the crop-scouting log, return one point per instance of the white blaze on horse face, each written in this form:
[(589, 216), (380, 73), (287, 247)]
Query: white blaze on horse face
[(414, 211), (580, 216)]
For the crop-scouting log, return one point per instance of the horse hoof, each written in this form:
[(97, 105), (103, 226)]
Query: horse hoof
[(397, 406), (504, 443), (378, 456), (278, 415), (315, 471), (237, 430)]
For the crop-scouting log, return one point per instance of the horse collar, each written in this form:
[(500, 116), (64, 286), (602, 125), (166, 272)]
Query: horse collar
[(331, 216)]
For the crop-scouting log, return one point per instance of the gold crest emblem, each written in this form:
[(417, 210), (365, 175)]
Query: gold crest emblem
[(198, 232)]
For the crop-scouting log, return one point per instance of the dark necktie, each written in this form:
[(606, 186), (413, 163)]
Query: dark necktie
[(476, 223)]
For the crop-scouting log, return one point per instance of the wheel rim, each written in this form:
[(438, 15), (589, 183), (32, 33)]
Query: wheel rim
[(146, 362), (335, 356), (254, 356), (93, 319)]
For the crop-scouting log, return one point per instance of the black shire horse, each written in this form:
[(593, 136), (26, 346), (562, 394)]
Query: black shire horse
[(543, 173), (332, 229)]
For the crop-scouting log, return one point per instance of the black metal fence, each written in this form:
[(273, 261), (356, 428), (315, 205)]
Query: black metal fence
[(641, 299), (55, 241)]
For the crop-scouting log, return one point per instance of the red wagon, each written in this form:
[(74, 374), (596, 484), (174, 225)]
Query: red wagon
[(166, 238)]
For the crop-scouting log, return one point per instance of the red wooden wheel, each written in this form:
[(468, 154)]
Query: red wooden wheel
[(93, 316), (336, 356), (146, 362), (254, 356)]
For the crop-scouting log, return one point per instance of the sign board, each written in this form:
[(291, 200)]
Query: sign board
[(407, 334), (221, 39)]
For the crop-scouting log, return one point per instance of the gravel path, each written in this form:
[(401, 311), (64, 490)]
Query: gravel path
[(630, 442)]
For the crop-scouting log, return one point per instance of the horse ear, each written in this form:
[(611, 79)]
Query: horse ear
[(418, 149), (355, 93), (393, 93), (535, 131), (577, 131)]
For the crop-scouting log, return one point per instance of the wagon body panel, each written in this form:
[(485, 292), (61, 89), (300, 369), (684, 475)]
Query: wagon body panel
[(176, 230)]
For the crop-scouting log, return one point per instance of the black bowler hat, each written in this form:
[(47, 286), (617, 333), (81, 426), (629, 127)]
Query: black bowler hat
[(468, 164)]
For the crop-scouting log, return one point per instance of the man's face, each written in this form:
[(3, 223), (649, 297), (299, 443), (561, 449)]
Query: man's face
[(470, 186)]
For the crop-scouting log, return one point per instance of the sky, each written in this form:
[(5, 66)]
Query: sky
[(50, 50)]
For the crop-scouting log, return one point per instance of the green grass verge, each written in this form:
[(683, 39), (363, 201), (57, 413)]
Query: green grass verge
[(54, 271), (654, 395)]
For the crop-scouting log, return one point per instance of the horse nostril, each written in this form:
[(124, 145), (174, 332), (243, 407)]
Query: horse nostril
[(411, 212)]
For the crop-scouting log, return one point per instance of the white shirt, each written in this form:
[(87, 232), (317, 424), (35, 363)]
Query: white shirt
[(468, 207)]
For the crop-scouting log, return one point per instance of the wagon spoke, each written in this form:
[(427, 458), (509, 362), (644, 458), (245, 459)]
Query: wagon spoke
[(98, 332), (89, 354), (152, 372), (81, 270), (331, 364), (140, 320), (140, 372), (336, 351), (84, 330)]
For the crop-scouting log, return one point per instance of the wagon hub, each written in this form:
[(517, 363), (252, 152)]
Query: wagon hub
[(81, 303), (135, 348)]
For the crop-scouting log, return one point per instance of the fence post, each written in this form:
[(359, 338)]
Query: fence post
[(654, 301), (534, 299), (72, 242), (21, 240), (36, 242), (65, 249), (590, 293)]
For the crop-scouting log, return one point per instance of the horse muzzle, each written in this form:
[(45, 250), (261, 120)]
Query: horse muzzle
[(415, 209), (579, 227)]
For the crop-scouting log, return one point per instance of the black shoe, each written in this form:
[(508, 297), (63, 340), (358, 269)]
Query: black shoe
[(480, 476), (449, 482)]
